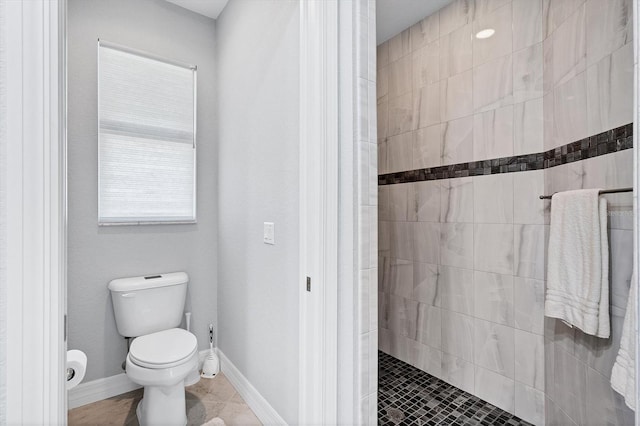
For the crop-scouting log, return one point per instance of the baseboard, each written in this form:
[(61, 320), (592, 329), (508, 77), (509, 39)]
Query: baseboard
[(97, 390), (263, 410)]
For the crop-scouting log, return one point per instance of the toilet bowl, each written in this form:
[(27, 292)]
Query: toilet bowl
[(160, 362)]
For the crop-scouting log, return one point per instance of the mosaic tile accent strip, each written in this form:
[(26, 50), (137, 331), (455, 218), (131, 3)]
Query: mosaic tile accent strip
[(608, 142), (409, 396)]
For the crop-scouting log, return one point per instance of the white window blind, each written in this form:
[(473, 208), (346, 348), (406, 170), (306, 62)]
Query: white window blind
[(146, 138)]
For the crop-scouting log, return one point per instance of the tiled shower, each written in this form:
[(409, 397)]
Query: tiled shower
[(471, 132)]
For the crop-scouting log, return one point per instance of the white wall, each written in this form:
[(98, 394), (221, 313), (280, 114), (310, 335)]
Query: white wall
[(97, 255), (3, 208), (258, 77)]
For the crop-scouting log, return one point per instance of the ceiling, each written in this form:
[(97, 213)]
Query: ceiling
[(393, 16), (210, 8)]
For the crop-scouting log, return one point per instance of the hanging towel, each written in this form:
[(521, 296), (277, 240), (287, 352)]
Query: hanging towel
[(623, 375), (578, 266)]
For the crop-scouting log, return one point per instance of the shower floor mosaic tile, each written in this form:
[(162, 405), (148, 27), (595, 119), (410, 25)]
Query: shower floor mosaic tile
[(409, 396)]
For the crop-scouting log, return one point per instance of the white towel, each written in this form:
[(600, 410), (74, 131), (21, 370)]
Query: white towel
[(578, 265), (623, 375)]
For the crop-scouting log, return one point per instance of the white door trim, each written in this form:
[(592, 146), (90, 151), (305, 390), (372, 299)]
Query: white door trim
[(35, 213), (319, 143)]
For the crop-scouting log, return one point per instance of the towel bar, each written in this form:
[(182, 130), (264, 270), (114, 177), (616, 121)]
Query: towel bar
[(604, 191)]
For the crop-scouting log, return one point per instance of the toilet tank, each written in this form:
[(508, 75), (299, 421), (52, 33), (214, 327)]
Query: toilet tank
[(144, 305)]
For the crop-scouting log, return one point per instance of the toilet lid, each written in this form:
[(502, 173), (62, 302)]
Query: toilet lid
[(163, 349)]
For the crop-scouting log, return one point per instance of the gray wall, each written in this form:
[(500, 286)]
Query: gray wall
[(97, 255), (258, 79)]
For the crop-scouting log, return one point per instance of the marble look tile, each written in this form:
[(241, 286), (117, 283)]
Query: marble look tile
[(426, 106), (426, 284), (493, 84), (401, 314), (456, 53), (494, 347), (425, 63), (529, 249), (527, 18), (494, 248), (547, 64), (548, 115), (455, 15), (554, 416), (493, 198), (569, 47), (399, 46), (457, 141), (424, 357), (384, 212), (456, 245), (384, 304), (458, 372), (610, 27), (424, 205), (527, 73), (426, 242), (493, 298), (425, 31), (382, 83), (456, 95), (556, 12), (401, 237), (493, 134), (500, 43), (457, 335), (429, 327), (528, 298), (621, 260), (400, 77), (382, 126), (570, 385), (495, 389), (400, 278), (485, 7), (529, 361), (610, 91), (570, 111), (457, 289), (527, 207), (398, 202), (384, 237), (382, 55), (427, 147), (529, 404), (605, 406), (528, 127), (400, 114), (399, 152), (456, 200)]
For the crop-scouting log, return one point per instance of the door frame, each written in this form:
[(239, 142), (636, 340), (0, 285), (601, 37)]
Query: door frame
[(36, 212)]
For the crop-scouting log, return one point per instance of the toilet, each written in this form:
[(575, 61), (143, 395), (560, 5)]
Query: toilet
[(149, 309)]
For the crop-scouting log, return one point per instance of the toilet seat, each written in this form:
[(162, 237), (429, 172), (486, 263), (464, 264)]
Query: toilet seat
[(164, 349)]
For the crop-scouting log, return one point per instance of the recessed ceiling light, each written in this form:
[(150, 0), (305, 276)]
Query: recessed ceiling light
[(485, 33)]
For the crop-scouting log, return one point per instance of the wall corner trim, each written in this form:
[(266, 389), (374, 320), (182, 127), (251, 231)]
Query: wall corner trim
[(97, 390), (260, 406)]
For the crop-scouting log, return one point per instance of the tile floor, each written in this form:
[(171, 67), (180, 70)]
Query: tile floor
[(409, 396), (207, 399)]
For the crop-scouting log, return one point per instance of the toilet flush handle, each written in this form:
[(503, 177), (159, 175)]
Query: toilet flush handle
[(128, 295)]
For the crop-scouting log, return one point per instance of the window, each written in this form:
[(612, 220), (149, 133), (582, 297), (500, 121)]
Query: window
[(147, 150)]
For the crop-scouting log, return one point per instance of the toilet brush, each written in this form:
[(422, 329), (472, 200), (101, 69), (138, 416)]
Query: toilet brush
[(211, 364)]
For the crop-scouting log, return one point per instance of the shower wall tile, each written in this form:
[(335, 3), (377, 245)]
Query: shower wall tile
[(493, 84), (493, 134), (493, 198), (425, 201), (456, 96), (399, 152), (426, 242), (529, 246), (501, 43), (427, 148), (528, 302), (457, 335), (494, 248), (457, 141), (495, 389), (458, 372), (456, 245), (425, 31), (529, 360), (494, 297), (425, 66), (528, 127), (456, 200), (400, 77), (456, 289), (427, 284), (399, 46), (527, 186), (527, 73), (570, 111), (529, 404), (456, 52), (527, 19), (426, 105), (455, 15), (610, 27), (494, 347), (569, 47), (401, 116)]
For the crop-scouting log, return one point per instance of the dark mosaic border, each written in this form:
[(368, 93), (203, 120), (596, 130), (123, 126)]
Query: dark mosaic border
[(608, 142)]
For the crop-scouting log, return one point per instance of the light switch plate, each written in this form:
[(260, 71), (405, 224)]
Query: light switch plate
[(269, 233)]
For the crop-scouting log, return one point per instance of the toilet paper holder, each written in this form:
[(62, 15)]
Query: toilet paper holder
[(71, 373)]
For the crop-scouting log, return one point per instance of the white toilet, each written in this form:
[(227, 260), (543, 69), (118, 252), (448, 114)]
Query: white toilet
[(161, 356)]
